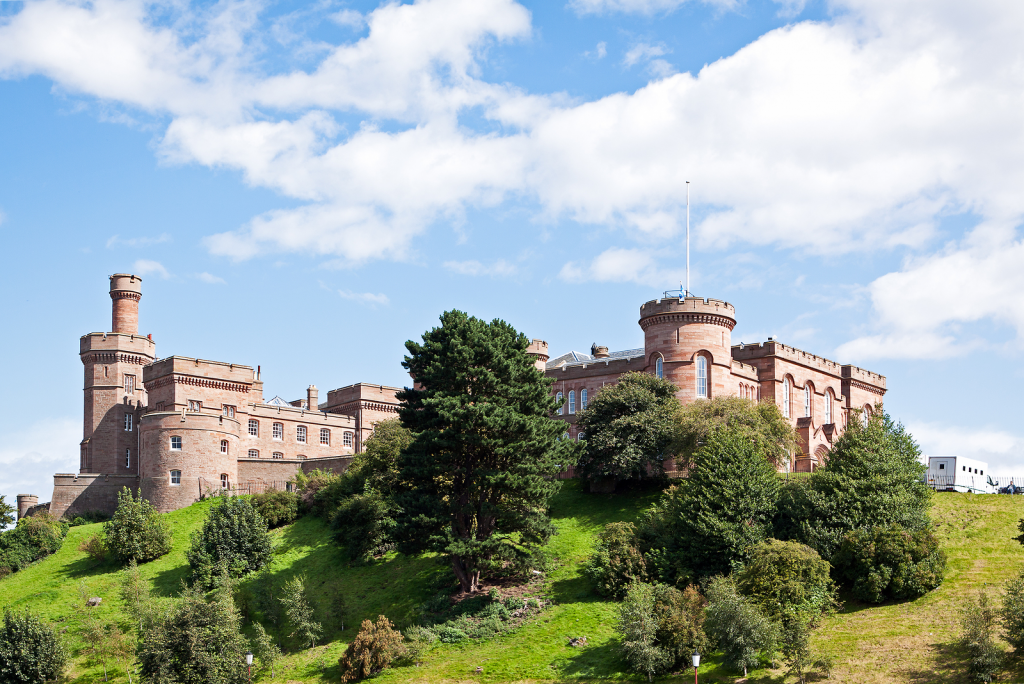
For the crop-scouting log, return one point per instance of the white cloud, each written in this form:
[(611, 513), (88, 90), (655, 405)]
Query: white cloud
[(1003, 451), (642, 52), (599, 52), (476, 268), (617, 265), (144, 267), (365, 298), (637, 6), (29, 457), (210, 278), (349, 19), (141, 241)]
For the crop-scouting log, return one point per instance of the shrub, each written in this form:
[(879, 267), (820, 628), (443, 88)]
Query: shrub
[(372, 651), (234, 537), (977, 626), (1012, 612), (34, 538), (378, 465), (7, 512), (364, 525), (136, 531), (277, 508), (680, 616), (321, 491), (263, 647), (638, 629), (786, 580), (889, 563), (88, 518), (94, 548), (736, 626), (299, 612), (447, 634), (617, 561), (761, 422), (30, 651)]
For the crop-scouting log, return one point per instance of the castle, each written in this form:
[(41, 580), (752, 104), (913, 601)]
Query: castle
[(179, 428)]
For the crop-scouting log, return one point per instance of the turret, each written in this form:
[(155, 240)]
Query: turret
[(538, 349), (25, 503), (125, 291)]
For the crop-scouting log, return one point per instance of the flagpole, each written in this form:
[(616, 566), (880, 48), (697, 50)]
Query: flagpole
[(687, 238)]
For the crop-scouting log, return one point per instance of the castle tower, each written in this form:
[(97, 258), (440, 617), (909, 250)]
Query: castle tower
[(691, 339), (25, 503), (114, 393), (538, 349)]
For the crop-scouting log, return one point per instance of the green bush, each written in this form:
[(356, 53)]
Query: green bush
[(977, 639), (34, 538), (322, 491), (89, 517), (786, 580), (680, 616), (885, 563), (30, 651), (737, 627), (234, 538), (638, 630), (277, 508), (617, 561), (94, 548), (364, 524), (136, 531), (1012, 612), (447, 634), (372, 651)]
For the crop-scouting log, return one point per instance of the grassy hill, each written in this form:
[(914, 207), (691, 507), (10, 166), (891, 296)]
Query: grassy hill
[(893, 643)]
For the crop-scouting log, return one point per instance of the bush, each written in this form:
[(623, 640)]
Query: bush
[(761, 423), (34, 538), (977, 626), (277, 508), (617, 561), (786, 580), (364, 525), (372, 651), (378, 465), (322, 491), (736, 626), (638, 629), (299, 612), (136, 531), (30, 651), (89, 518), (884, 563), (680, 616), (234, 538), (1012, 612), (94, 548), (447, 634)]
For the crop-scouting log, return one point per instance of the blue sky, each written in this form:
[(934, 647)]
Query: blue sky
[(305, 186)]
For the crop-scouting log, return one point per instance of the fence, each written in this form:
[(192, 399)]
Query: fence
[(260, 486), (986, 484)]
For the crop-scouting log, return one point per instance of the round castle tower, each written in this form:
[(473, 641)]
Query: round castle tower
[(692, 339), (125, 291)]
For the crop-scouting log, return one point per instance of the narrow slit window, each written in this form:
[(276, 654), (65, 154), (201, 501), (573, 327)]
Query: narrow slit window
[(807, 401), (127, 458), (659, 367), (128, 420), (785, 398)]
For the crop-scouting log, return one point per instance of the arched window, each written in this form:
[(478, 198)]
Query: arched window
[(828, 406), (659, 367), (223, 446), (572, 402), (807, 401), (223, 480), (865, 415), (254, 453), (702, 377), (581, 436), (561, 406), (583, 400), (785, 397)]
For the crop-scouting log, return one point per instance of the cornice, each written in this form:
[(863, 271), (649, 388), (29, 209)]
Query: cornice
[(687, 318)]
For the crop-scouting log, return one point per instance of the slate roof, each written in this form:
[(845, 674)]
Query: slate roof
[(575, 358)]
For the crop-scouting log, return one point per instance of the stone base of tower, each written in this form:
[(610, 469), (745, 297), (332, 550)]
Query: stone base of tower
[(77, 494)]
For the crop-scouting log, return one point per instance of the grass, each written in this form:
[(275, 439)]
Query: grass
[(906, 642)]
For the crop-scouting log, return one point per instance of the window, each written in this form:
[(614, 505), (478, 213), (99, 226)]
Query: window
[(254, 453), (300, 434), (254, 428), (223, 480), (828, 406), (807, 401), (127, 458), (561, 407), (942, 466), (175, 443), (325, 436), (195, 406), (301, 456), (278, 431), (223, 446), (572, 401), (278, 454), (129, 384), (865, 416), (785, 398), (581, 436), (175, 477), (346, 439), (702, 377), (583, 400), (228, 411), (128, 422), (659, 368)]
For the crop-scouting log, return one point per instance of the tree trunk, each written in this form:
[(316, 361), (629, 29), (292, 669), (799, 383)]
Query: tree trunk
[(468, 581)]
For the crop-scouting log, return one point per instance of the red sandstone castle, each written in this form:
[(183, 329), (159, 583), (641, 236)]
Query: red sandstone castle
[(179, 428), (688, 341)]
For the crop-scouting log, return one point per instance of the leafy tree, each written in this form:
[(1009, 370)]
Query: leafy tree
[(34, 537), (198, 642), (373, 650), (709, 522), (134, 591), (762, 422), (736, 626), (680, 616), (267, 652), (277, 508), (364, 524), (617, 561), (977, 638), (638, 628), (479, 473), (873, 474), (136, 532), (234, 537), (7, 512), (30, 651), (882, 563), (299, 612), (786, 580), (379, 464), (629, 426), (1012, 612)]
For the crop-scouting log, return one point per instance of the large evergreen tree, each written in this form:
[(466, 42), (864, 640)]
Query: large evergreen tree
[(478, 475)]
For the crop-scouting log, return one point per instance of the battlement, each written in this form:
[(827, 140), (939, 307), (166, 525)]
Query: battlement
[(300, 414), (761, 350), (691, 309), (361, 392), (198, 368), (117, 342), (854, 373)]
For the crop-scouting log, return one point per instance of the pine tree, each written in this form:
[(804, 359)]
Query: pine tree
[(478, 475)]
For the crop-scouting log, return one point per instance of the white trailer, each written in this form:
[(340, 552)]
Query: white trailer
[(959, 474)]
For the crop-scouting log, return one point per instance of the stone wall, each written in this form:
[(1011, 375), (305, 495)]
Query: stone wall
[(77, 494)]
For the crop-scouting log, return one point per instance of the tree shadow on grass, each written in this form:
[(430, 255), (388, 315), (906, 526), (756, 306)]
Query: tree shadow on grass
[(88, 567), (170, 581), (598, 662), (944, 664)]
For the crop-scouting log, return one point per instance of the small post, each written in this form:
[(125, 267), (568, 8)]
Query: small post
[(248, 665), (696, 664)]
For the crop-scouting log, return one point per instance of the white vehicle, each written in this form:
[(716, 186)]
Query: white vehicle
[(959, 474)]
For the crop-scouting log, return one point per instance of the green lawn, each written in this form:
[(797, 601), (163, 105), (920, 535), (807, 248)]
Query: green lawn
[(893, 643)]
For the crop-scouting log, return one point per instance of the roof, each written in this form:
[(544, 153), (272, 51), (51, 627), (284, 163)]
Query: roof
[(575, 358), (278, 401)]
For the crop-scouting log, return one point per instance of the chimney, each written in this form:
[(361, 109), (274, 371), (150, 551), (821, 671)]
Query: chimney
[(312, 395), (599, 352)]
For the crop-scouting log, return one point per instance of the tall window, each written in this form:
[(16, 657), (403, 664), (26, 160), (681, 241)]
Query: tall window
[(127, 458), (325, 436), (223, 446), (175, 477), (583, 400), (785, 398), (659, 368), (254, 453), (278, 454), (128, 422), (195, 406), (278, 431), (581, 436), (129, 384), (561, 407), (572, 401), (865, 415), (175, 443), (702, 377), (828, 406), (807, 401), (346, 439), (229, 411), (254, 428), (223, 480), (300, 434)]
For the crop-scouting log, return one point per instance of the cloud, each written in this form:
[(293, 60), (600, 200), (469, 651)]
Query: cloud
[(365, 298), (599, 52), (142, 241), (210, 278), (1003, 451), (642, 52), (29, 457), (637, 6), (144, 267), (499, 268), (617, 265), (349, 18)]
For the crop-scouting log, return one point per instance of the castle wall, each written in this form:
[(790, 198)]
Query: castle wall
[(290, 419), (367, 404), (77, 494)]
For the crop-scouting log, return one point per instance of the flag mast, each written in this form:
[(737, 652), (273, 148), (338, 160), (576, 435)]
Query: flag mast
[(687, 238)]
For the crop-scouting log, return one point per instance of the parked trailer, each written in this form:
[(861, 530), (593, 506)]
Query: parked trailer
[(959, 474)]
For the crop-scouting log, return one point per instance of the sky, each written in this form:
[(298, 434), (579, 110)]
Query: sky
[(305, 186)]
